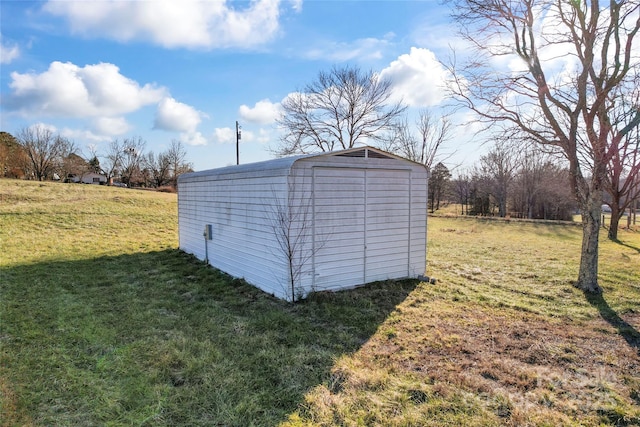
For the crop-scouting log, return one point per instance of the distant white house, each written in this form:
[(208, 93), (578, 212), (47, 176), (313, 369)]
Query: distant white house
[(87, 178), (295, 225)]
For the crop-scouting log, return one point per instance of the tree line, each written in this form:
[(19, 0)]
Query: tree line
[(505, 183), (38, 153)]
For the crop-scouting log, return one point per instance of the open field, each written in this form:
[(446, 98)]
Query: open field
[(104, 322)]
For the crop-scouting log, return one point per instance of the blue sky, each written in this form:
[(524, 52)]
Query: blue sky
[(187, 70)]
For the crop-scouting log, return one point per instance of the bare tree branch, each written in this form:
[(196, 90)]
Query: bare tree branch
[(44, 149), (426, 143), (339, 110)]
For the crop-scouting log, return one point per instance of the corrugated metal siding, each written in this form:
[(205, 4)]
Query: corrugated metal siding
[(418, 222), (240, 210)]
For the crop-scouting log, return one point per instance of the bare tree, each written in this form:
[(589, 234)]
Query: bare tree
[(132, 157), (555, 200), (499, 166), (426, 143), (528, 183), (159, 168), (339, 110), (572, 56), (112, 160), (623, 174), (541, 188), (291, 222), (176, 157), (462, 189), (44, 150), (480, 193)]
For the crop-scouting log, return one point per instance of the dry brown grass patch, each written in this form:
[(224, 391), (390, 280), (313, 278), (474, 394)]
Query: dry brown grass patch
[(521, 363), (10, 414)]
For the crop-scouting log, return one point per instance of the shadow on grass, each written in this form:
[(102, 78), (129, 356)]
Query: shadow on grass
[(627, 331), (162, 339), (626, 245)]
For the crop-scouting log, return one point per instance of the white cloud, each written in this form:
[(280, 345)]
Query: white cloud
[(193, 138), (68, 90), (439, 34), (75, 134), (8, 51), (247, 136), (224, 135), (111, 126), (83, 135), (263, 112), (228, 136), (173, 24), (176, 116), (264, 136), (417, 78), (296, 5), (363, 49), (51, 128)]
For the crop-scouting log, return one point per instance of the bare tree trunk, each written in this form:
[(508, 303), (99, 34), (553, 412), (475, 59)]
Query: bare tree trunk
[(616, 214), (502, 205), (588, 273)]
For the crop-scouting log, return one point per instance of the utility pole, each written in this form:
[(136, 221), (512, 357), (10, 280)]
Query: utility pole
[(238, 136)]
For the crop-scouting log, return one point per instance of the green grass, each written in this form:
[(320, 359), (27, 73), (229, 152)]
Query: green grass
[(103, 321)]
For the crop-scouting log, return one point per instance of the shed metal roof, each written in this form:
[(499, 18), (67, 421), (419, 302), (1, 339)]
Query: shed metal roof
[(285, 163)]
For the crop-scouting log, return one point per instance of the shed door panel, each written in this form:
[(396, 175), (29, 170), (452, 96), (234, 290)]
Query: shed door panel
[(361, 226), (339, 232), (387, 224)]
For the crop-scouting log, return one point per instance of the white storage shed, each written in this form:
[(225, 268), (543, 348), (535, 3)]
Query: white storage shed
[(295, 225)]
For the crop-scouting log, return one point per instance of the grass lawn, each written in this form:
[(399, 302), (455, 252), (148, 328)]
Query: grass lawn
[(103, 321)]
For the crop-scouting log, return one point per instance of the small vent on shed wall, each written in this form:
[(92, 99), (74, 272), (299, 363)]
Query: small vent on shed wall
[(365, 152)]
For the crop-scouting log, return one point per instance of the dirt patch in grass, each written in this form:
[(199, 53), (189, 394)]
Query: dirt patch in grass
[(10, 414)]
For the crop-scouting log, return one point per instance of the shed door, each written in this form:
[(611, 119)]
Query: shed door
[(361, 226)]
